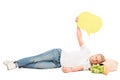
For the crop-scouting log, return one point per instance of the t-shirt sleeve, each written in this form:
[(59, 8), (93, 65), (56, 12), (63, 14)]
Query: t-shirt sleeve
[(84, 47), (85, 51)]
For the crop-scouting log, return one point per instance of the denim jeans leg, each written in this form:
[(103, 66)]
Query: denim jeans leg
[(50, 55), (41, 65)]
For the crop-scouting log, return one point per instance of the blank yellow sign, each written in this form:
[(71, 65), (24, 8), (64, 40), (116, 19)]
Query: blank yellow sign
[(89, 22)]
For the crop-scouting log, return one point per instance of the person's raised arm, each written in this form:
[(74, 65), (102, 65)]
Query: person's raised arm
[(79, 34), (79, 37)]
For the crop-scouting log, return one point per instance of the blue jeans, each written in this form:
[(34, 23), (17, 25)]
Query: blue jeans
[(46, 60)]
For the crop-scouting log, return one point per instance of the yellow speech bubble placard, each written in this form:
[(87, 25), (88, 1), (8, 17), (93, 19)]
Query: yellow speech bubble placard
[(89, 22)]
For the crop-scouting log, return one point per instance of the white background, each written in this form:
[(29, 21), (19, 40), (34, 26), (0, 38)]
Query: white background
[(29, 27)]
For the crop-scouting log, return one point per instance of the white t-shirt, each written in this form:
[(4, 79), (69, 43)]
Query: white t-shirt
[(76, 58)]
